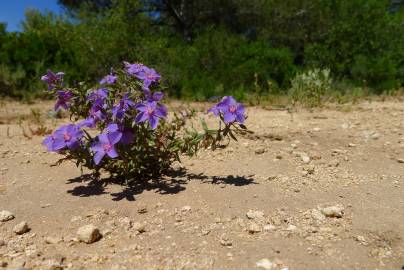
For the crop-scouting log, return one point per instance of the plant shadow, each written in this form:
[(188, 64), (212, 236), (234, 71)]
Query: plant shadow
[(171, 183)]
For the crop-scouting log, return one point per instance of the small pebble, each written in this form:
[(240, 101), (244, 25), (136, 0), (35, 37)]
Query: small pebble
[(88, 234), (6, 215), (333, 211), (21, 228)]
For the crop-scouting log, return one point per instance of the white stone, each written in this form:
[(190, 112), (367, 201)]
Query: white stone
[(6, 215), (140, 227), (88, 234), (269, 228), (333, 211), (21, 228), (317, 215), (251, 214), (186, 209), (53, 240), (266, 264), (305, 159), (254, 228)]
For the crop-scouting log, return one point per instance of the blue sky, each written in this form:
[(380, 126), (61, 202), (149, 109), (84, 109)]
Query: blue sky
[(12, 11)]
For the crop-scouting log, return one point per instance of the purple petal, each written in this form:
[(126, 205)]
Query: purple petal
[(112, 153), (240, 118), (112, 128), (103, 138), (127, 137), (97, 147), (141, 107), (161, 111), (114, 137), (229, 117), (141, 117), (57, 105), (72, 144), (98, 157), (154, 121), (59, 143), (157, 96)]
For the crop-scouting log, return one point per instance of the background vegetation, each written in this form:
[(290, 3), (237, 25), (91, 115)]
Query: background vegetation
[(206, 48)]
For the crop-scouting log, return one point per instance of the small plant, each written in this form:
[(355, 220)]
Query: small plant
[(310, 87), (121, 126)]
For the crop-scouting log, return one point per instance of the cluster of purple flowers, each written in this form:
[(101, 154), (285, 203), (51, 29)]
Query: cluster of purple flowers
[(231, 110), (117, 113), (112, 116)]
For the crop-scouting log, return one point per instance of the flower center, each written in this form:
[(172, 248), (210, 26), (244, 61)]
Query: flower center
[(232, 109), (149, 75), (150, 111), (107, 147), (67, 137)]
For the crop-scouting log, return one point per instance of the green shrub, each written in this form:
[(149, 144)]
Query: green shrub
[(309, 88)]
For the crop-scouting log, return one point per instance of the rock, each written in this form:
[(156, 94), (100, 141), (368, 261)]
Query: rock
[(272, 177), (400, 160), (266, 264), (260, 151), (126, 222), (88, 234), (333, 211), (53, 263), (269, 228), (254, 228), (291, 228), (53, 240), (225, 241), (2, 243), (305, 159), (6, 215), (351, 145), (375, 136), (142, 209), (317, 215), (17, 265), (309, 168), (140, 227), (21, 228), (251, 214), (186, 209)]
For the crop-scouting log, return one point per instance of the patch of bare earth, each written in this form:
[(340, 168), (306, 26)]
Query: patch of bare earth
[(319, 190)]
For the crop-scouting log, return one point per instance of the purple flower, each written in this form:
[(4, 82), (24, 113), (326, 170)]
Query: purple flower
[(52, 79), (95, 114), (66, 136), (150, 111), (231, 110), (127, 134), (109, 79), (148, 76), (63, 99), (118, 111), (133, 69), (106, 146), (157, 96), (98, 96)]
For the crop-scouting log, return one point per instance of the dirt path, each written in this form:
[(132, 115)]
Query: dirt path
[(259, 204)]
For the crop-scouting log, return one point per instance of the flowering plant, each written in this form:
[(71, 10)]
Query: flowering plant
[(122, 127)]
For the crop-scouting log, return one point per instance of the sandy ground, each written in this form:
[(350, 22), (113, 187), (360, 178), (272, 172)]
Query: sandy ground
[(262, 203)]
